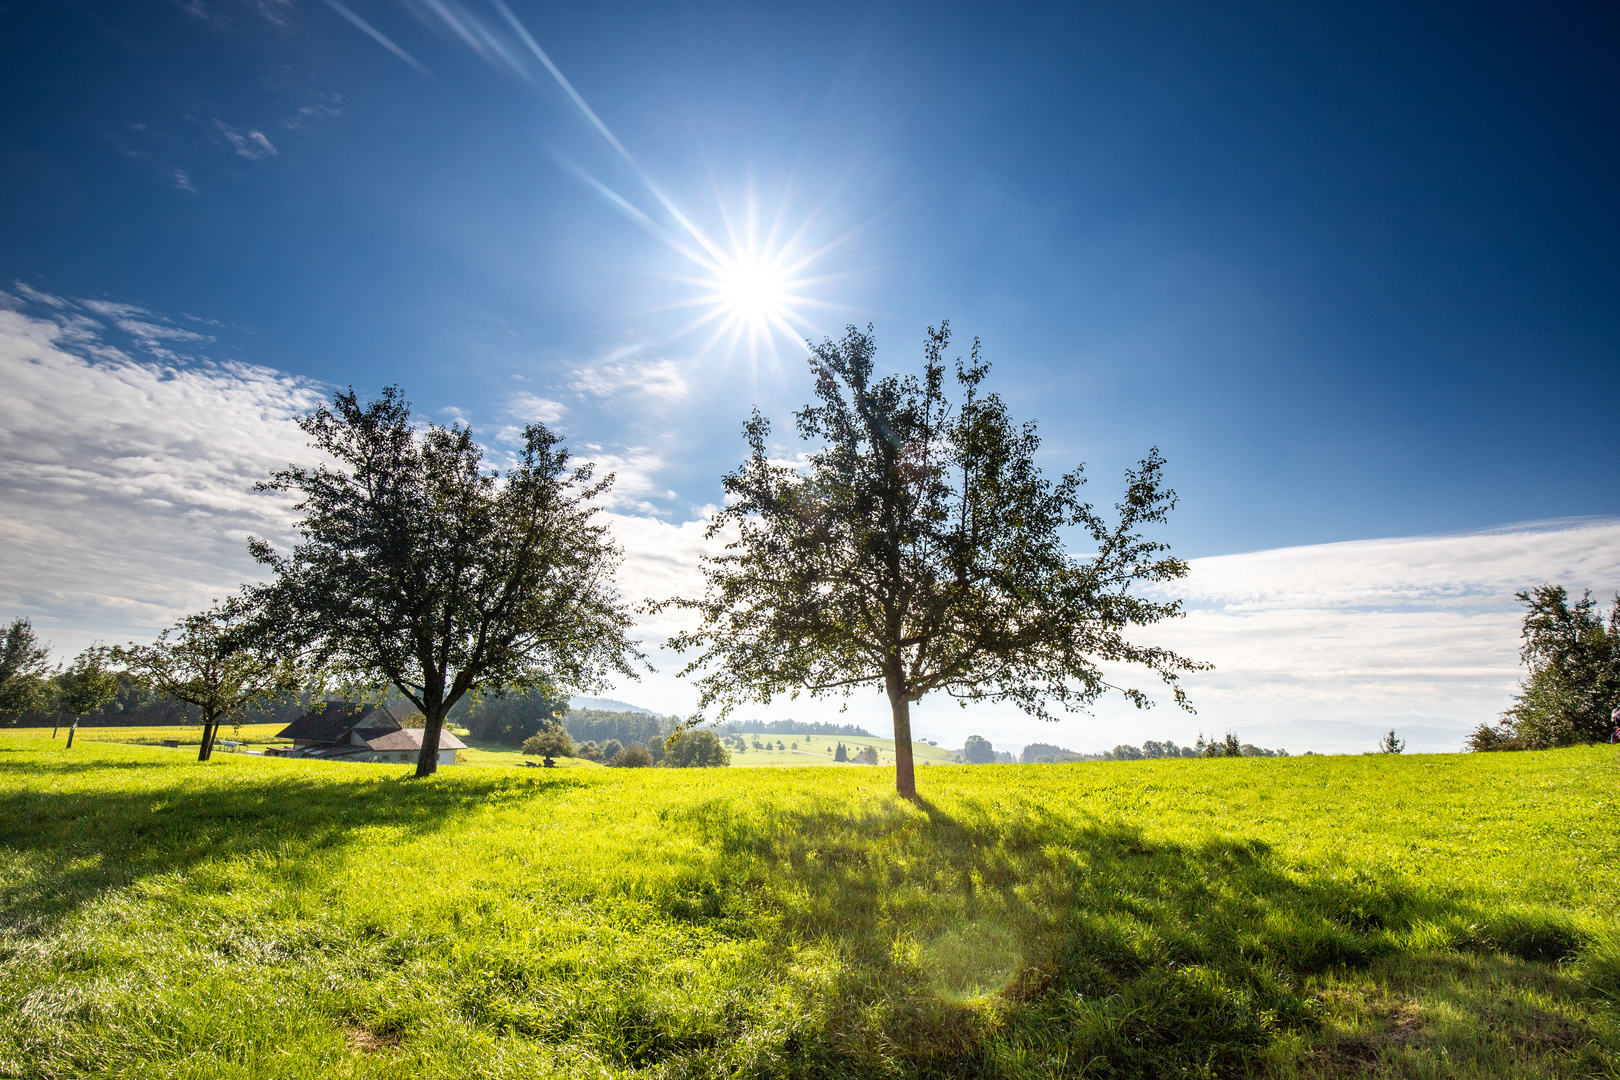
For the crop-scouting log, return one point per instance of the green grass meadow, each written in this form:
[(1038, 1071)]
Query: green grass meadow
[(1412, 916)]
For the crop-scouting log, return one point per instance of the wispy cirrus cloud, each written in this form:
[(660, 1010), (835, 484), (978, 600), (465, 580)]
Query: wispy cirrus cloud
[(251, 144)]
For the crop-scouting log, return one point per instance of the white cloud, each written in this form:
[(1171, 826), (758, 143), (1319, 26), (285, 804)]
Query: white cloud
[(1420, 632), (636, 472), (250, 144), (662, 379), (125, 483), (533, 409)]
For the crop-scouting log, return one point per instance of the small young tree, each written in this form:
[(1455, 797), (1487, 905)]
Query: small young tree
[(420, 569), (1389, 744), (552, 742), (921, 549), (84, 686), (209, 660), (25, 682)]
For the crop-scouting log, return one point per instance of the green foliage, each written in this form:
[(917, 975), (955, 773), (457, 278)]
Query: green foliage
[(922, 549), (627, 727), (1389, 744), (1312, 917), (207, 660), (88, 683), (978, 750), (634, 756), (421, 570), (553, 742), (1574, 683), (699, 749), (509, 719), (24, 672)]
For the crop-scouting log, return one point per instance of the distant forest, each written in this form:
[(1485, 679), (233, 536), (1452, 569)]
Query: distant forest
[(135, 707), (789, 727), (1230, 746)]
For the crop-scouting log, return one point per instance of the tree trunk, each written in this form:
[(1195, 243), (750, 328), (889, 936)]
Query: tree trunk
[(206, 750), (905, 777), (71, 732), (427, 762)]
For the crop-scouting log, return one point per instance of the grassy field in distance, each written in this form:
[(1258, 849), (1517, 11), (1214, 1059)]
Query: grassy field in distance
[(818, 750), (1412, 916), (185, 734)]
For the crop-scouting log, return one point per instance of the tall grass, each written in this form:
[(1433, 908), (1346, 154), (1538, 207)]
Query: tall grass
[(1405, 916)]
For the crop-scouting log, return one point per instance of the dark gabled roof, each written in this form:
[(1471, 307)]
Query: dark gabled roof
[(331, 722)]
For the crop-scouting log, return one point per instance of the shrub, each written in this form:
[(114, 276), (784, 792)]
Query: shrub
[(554, 742), (634, 756), (697, 750)]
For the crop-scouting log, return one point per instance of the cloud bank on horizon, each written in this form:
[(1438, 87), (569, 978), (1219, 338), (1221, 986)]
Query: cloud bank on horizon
[(126, 474)]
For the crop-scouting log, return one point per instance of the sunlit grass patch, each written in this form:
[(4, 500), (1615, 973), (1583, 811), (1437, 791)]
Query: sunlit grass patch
[(1307, 917)]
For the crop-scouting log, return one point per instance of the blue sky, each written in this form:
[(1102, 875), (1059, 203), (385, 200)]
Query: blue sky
[(1351, 266)]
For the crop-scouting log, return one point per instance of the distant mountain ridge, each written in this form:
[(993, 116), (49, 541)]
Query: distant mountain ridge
[(603, 704)]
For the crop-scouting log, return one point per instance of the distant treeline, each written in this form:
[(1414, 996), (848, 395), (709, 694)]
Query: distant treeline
[(509, 719), (790, 727), (1230, 746), (133, 706), (598, 726)]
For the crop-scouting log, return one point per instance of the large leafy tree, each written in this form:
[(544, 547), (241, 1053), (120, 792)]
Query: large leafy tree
[(920, 549), (210, 660), (422, 569), (1573, 654), (24, 672)]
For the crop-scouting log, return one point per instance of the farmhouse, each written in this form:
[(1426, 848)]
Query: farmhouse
[(343, 731)]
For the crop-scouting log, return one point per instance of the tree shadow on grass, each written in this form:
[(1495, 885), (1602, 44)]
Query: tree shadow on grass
[(971, 942), (72, 839)]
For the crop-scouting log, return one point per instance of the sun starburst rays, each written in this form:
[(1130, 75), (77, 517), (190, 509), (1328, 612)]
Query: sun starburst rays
[(754, 289)]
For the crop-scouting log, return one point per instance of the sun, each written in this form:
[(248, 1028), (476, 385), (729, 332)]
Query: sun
[(753, 292)]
